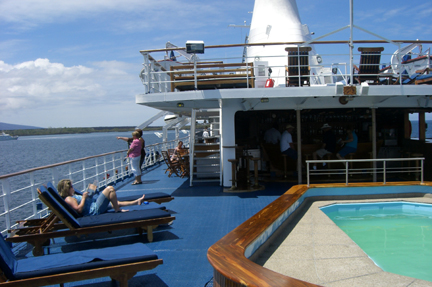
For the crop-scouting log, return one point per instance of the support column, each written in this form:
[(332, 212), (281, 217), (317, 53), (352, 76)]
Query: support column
[(374, 143), (299, 157), (422, 126)]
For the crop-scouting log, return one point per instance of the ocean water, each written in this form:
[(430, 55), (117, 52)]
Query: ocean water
[(35, 151), (414, 128)]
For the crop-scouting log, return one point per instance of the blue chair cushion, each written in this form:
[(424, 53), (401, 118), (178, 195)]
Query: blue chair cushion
[(82, 260), (149, 205), (8, 261), (148, 196), (423, 77), (121, 217)]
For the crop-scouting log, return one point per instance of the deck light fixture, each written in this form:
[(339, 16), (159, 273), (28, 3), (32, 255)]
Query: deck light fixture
[(195, 47), (180, 105), (264, 100)]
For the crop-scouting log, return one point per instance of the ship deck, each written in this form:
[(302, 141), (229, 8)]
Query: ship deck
[(204, 214)]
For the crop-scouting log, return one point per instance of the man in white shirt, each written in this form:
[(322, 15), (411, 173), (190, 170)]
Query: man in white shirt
[(286, 144)]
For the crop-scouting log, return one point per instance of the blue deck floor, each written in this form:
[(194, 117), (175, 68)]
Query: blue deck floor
[(204, 214)]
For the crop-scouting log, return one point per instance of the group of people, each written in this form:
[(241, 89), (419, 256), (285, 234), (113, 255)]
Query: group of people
[(287, 147), (96, 203)]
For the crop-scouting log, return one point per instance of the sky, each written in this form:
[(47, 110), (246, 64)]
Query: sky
[(75, 63)]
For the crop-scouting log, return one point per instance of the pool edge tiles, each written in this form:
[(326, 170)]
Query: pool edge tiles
[(386, 231)]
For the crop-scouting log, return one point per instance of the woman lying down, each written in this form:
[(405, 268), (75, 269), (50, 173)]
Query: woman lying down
[(87, 204)]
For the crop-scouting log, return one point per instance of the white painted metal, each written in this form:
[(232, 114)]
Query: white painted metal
[(275, 21)]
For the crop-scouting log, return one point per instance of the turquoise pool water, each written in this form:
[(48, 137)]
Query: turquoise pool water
[(397, 236)]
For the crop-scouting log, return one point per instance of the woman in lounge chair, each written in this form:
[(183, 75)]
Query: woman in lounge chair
[(86, 205)]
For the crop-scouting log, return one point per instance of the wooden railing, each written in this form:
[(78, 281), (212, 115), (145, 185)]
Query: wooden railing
[(211, 76), (229, 256)]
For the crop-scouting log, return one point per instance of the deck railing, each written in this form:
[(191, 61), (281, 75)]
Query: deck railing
[(324, 68), (414, 166), (19, 199)]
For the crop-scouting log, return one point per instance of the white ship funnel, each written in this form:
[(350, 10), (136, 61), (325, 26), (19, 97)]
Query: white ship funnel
[(274, 21)]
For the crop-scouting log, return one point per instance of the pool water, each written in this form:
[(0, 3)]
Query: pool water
[(397, 236)]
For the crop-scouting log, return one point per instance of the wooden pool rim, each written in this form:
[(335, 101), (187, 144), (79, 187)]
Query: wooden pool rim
[(227, 256)]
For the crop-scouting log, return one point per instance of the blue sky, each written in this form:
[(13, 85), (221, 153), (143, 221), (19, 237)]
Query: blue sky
[(76, 63)]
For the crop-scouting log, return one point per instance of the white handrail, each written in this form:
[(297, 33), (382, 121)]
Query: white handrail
[(347, 171), (19, 189)]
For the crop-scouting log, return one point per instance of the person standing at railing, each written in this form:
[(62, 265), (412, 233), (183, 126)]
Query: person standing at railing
[(129, 141), (134, 153), (88, 205)]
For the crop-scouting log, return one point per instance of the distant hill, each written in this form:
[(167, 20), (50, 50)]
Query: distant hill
[(11, 127)]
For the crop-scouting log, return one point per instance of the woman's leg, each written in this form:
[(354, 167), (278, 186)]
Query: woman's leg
[(111, 194)]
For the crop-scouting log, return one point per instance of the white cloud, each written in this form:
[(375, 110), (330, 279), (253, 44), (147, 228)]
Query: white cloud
[(42, 83)]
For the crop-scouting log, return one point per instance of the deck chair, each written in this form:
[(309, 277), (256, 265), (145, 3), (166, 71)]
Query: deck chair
[(184, 166), (369, 66), (298, 66), (425, 77), (171, 167), (142, 220), (120, 263)]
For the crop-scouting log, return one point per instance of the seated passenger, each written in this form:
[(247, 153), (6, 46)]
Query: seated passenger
[(349, 144), (328, 144), (93, 205), (179, 150)]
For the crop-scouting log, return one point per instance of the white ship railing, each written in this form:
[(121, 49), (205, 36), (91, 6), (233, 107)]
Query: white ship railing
[(325, 68), (415, 166), (19, 198)]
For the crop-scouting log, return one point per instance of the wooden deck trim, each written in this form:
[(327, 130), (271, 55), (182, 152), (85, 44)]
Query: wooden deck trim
[(212, 75), (227, 256)]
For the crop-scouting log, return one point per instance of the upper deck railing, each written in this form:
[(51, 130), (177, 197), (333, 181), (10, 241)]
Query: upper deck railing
[(327, 68), (19, 198)]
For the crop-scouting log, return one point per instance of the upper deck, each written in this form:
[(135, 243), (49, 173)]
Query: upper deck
[(383, 74)]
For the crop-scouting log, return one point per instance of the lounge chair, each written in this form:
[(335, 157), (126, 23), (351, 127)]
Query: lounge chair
[(298, 66), (120, 263), (171, 166), (425, 77), (70, 225), (369, 67)]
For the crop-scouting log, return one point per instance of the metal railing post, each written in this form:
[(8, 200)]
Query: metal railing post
[(6, 200), (384, 171), (33, 194)]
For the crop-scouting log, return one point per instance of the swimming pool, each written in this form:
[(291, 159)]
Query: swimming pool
[(397, 236)]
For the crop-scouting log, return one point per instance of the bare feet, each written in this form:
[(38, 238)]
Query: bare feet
[(141, 200)]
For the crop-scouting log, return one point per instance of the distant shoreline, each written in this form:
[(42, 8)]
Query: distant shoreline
[(58, 131)]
